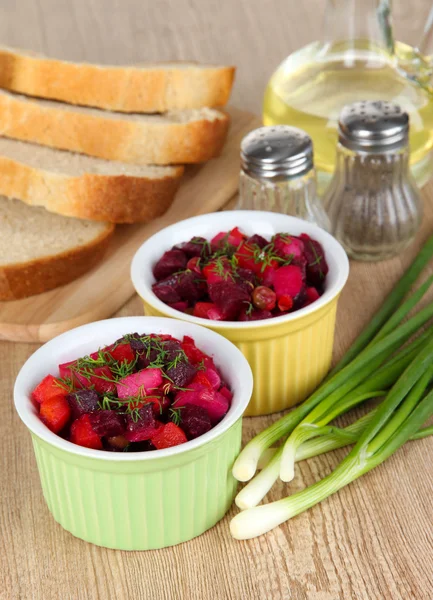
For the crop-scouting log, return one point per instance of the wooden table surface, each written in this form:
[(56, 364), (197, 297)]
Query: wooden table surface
[(371, 541)]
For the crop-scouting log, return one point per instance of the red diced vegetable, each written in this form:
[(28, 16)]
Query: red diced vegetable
[(201, 309), (55, 412), (182, 306), (288, 281), (98, 378), (142, 425), (120, 352), (285, 303), (288, 245), (194, 265), (167, 436), (312, 295), (226, 392), (139, 384), (65, 370), (49, 386), (193, 354), (201, 395), (82, 402), (82, 434)]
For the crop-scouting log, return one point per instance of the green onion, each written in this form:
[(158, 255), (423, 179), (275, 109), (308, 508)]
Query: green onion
[(258, 487), (397, 419), (391, 302), (339, 385), (335, 438), (333, 406)]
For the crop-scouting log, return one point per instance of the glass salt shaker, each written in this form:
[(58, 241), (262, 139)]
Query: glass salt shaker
[(373, 203), (277, 174)]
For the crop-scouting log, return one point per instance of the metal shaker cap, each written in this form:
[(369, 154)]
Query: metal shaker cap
[(277, 152), (373, 126)]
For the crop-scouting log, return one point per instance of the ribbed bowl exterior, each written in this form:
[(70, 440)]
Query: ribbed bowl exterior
[(288, 359), (140, 505)]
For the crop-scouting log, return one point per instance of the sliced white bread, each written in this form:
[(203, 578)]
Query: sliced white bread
[(40, 251), (139, 88), (190, 136), (81, 186)]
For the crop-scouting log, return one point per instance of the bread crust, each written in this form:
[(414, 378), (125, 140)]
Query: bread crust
[(43, 274), (112, 198), (124, 89), (131, 141)]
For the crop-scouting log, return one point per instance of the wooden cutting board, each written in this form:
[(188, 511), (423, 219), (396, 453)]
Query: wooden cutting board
[(102, 291)]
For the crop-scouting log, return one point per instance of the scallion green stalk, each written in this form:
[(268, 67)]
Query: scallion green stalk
[(333, 406), (390, 304), (339, 385), (397, 419)]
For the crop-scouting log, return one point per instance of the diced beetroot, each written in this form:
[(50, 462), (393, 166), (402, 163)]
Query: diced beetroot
[(258, 240), (201, 395), (254, 315), (193, 354), (82, 434), (49, 386), (167, 436), (182, 373), (170, 262), (101, 379), (197, 246), (247, 279), (288, 245), (166, 290), (143, 427), (312, 295), (317, 267), (195, 421), (226, 392), (288, 281), (55, 412), (201, 309), (267, 277), (182, 306), (139, 384), (82, 402), (229, 297), (107, 423), (190, 287)]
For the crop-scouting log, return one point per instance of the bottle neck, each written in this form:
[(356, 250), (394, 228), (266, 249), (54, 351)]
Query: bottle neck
[(359, 22)]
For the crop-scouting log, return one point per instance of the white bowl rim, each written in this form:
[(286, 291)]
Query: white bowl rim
[(237, 217), (225, 353)]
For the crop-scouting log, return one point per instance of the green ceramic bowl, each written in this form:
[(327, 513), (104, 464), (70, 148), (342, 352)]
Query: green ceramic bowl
[(141, 500)]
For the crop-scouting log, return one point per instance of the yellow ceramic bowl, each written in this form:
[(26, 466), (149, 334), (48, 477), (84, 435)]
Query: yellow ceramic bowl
[(289, 355)]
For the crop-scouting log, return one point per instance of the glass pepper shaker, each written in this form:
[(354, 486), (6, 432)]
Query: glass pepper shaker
[(277, 174), (372, 201)]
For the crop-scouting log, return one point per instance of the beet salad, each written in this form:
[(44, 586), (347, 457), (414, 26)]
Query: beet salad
[(144, 392), (233, 277)]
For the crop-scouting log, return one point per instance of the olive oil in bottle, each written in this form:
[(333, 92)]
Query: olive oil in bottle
[(310, 88)]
